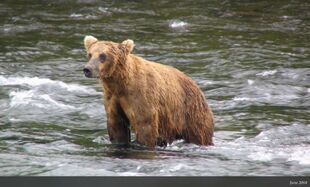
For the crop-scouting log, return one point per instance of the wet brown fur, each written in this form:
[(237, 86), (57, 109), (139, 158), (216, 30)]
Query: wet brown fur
[(157, 102)]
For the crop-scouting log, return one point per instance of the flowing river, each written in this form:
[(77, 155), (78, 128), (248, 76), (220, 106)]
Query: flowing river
[(250, 58)]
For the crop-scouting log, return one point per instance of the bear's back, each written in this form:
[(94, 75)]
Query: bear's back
[(183, 108)]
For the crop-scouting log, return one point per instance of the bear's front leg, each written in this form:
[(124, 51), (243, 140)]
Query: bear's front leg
[(118, 125), (118, 130)]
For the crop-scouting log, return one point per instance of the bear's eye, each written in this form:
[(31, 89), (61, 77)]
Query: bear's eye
[(89, 56), (102, 57)]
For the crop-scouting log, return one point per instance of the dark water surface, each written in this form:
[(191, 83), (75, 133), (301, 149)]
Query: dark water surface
[(251, 59)]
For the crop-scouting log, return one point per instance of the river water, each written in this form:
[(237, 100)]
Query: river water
[(250, 58)]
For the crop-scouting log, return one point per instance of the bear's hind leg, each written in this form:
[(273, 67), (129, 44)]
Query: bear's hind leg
[(146, 130), (161, 142), (145, 135), (200, 136)]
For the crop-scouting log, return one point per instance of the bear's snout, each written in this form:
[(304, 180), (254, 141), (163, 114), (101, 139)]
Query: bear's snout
[(87, 72)]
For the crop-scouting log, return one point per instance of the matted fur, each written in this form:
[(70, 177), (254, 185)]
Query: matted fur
[(157, 102)]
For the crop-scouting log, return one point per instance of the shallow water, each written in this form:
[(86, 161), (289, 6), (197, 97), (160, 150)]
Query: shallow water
[(251, 59)]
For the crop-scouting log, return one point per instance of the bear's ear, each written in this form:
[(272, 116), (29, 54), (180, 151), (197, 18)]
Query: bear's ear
[(129, 45), (88, 41)]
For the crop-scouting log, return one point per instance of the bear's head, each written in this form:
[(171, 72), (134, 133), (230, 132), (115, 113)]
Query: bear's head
[(105, 56)]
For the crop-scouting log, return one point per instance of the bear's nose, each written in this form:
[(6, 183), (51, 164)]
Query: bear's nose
[(87, 72)]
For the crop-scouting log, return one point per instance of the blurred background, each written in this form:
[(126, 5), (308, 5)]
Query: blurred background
[(251, 59)]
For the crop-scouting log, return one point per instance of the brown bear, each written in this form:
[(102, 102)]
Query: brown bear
[(157, 102)]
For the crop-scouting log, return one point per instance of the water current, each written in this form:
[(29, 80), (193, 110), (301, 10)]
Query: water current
[(250, 58)]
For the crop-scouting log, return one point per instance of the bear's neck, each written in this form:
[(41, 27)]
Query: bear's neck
[(117, 83)]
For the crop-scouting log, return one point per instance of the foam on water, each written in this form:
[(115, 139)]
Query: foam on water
[(241, 99), (250, 82), (265, 92), (273, 144), (267, 73), (178, 167), (131, 174), (295, 153), (76, 170), (178, 24), (181, 159), (56, 147), (278, 144), (46, 98), (261, 156), (301, 155), (74, 15), (31, 97), (35, 81), (101, 140)]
